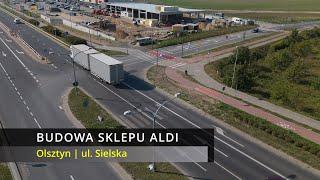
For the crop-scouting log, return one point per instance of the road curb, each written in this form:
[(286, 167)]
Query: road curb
[(122, 173)]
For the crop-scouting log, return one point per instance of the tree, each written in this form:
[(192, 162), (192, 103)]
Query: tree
[(243, 56), (258, 53), (301, 49), (279, 60), (245, 77), (297, 71), (281, 91), (294, 37)]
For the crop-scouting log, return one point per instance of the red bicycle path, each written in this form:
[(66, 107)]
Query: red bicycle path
[(190, 85)]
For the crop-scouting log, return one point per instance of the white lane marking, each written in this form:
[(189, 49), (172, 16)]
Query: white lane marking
[(221, 132), (4, 70), (233, 140), (15, 55), (163, 106), (139, 110), (71, 177), (177, 65), (60, 107), (18, 93), (221, 152), (54, 66), (251, 158), (19, 52), (232, 147), (37, 122), (4, 54), (227, 170)]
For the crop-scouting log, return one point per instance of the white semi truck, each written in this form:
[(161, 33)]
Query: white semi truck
[(100, 65)]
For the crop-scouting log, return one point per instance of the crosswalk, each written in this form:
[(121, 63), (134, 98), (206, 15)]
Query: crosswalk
[(177, 65)]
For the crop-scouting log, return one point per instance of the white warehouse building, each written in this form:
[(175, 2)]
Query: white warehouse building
[(162, 13)]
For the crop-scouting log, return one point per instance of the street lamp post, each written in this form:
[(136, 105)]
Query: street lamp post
[(152, 166), (234, 67), (75, 82)]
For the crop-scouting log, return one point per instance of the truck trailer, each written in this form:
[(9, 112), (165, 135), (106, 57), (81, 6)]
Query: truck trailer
[(80, 54), (100, 65), (106, 68)]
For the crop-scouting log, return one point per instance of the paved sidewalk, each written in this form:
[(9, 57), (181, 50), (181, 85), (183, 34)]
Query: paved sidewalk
[(188, 84)]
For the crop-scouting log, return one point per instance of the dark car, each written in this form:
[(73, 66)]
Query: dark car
[(256, 30)]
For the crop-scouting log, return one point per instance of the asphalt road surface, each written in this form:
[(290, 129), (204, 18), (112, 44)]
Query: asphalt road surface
[(235, 157), (209, 43)]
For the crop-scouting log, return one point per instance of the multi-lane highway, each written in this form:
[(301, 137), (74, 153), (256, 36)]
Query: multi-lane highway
[(36, 104)]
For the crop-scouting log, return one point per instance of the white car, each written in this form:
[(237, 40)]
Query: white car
[(17, 21)]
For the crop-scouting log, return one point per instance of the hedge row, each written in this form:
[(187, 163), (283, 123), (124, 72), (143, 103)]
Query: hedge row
[(278, 132)]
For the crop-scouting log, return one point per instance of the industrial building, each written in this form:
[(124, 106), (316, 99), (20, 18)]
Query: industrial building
[(163, 13)]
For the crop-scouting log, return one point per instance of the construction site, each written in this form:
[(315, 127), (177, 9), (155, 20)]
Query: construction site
[(136, 22)]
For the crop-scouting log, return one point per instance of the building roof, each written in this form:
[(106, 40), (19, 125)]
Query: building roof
[(105, 59), (153, 8)]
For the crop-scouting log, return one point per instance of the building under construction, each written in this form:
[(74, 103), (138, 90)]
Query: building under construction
[(164, 14)]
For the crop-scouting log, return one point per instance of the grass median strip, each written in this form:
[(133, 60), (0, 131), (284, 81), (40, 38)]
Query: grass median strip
[(112, 52), (86, 110), (5, 173), (279, 138)]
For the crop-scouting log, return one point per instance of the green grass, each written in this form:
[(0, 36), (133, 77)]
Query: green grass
[(259, 128), (112, 53), (286, 5), (5, 173), (280, 18), (87, 110), (302, 96)]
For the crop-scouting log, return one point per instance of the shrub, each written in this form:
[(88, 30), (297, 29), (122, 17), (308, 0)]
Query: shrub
[(52, 30), (34, 22), (75, 40)]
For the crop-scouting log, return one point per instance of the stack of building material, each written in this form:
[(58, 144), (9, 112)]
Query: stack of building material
[(179, 27)]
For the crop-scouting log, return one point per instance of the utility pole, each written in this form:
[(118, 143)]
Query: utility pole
[(90, 36), (157, 57), (234, 68), (182, 46)]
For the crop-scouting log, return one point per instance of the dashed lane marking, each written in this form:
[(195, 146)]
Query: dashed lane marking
[(19, 52), (20, 96)]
